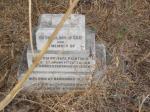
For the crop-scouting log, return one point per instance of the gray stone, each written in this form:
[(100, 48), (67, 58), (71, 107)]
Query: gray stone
[(62, 70)]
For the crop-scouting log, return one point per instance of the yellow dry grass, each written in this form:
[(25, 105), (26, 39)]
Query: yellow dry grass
[(122, 25)]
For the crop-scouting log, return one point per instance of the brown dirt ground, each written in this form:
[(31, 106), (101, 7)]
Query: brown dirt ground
[(122, 25)]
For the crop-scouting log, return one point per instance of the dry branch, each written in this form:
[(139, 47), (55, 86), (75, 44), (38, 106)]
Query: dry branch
[(30, 26), (144, 99)]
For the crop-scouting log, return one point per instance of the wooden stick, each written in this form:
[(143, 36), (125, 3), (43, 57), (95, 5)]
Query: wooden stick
[(144, 99), (30, 26), (38, 57)]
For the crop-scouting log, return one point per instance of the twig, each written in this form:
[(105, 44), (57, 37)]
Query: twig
[(38, 57), (141, 60), (5, 61), (12, 50), (30, 26), (140, 107), (2, 79)]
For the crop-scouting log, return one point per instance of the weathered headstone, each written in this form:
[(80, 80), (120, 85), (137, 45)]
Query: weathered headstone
[(70, 38), (72, 60)]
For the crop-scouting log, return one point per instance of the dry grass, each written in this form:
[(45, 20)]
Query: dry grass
[(122, 25)]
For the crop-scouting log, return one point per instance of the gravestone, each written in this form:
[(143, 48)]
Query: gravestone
[(73, 59)]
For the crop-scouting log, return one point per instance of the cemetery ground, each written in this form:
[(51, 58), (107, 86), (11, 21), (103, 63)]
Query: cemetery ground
[(123, 26)]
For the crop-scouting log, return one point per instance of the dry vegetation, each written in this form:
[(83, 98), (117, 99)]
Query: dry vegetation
[(122, 25)]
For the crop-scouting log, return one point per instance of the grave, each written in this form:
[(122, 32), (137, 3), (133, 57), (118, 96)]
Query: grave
[(73, 60)]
